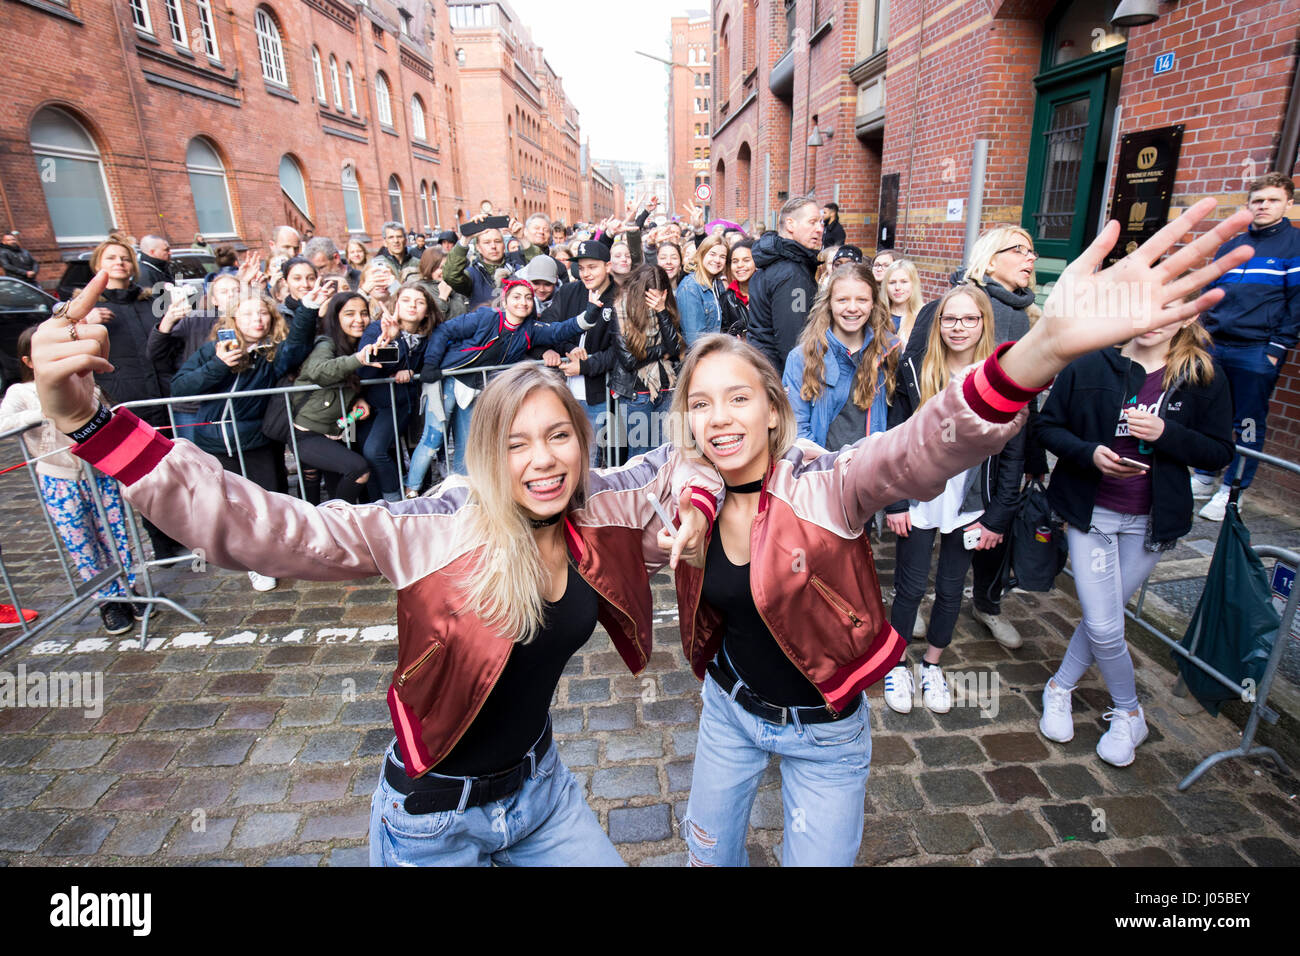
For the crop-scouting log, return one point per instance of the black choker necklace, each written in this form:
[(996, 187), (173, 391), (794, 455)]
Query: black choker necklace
[(748, 488), (546, 522)]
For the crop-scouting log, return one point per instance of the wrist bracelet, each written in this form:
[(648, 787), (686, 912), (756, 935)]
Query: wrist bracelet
[(101, 418)]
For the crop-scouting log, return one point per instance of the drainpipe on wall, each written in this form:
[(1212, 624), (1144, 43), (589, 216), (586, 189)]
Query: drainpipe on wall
[(1288, 143), (975, 199), (139, 125)]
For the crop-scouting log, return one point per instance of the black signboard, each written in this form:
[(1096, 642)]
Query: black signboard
[(888, 211), (1144, 184)]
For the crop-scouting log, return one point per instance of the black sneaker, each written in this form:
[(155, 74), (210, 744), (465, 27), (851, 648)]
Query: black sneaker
[(138, 608), (117, 617)]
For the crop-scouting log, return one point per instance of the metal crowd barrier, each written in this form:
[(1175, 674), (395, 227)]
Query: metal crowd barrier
[(1259, 709)]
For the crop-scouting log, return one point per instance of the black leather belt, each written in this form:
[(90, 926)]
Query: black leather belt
[(771, 712), (430, 794)]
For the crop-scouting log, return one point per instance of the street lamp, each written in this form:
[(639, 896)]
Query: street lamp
[(672, 200)]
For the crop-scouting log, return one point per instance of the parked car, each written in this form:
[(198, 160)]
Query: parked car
[(190, 266), (21, 305)]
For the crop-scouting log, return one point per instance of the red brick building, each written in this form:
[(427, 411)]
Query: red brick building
[(780, 71), (226, 118), (690, 95), (521, 130)]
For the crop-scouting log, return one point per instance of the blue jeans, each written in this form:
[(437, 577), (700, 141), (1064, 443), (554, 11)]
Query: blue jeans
[(600, 425), (430, 441), (1110, 562), (823, 784), (645, 421), (546, 822), (1251, 378), (459, 419)]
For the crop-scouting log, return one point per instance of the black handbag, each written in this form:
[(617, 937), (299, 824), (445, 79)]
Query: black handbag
[(1038, 548)]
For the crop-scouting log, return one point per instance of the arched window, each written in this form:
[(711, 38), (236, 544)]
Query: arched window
[(334, 83), (76, 192), (270, 51), (395, 199), (424, 205), (294, 183), (383, 101), (436, 219), (417, 118), (318, 73), (352, 90), (352, 200), (210, 189)]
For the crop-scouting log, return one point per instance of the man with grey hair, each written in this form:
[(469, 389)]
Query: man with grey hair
[(155, 262), (782, 291), (324, 256), (285, 241), (396, 253)]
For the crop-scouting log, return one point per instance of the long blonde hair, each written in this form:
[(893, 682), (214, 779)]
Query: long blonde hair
[(1189, 356), (276, 334), (505, 589), (779, 439), (914, 301), (934, 367), (878, 355), (696, 266)]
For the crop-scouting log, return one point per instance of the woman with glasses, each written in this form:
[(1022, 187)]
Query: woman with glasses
[(1002, 265), (971, 515), (882, 261)]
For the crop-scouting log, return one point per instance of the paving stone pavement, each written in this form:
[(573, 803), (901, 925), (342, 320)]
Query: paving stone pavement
[(255, 738)]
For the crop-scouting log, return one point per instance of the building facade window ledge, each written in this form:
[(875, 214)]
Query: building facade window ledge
[(821, 31), (280, 91), (54, 9), (388, 129), (867, 68)]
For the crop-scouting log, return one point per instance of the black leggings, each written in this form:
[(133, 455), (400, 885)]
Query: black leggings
[(912, 576), (342, 466), (263, 466)]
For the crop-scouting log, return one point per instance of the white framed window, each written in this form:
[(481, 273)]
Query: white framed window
[(270, 51), (318, 73), (294, 183), (334, 83), (417, 118), (383, 102), (395, 199), (72, 176), (176, 22), (208, 28), (140, 16), (352, 89), (210, 188), (352, 209), (435, 218)]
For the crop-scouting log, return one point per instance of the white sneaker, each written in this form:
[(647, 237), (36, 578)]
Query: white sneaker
[(920, 626), (1202, 487), (1057, 722), (261, 582), (900, 689), (1126, 732), (935, 691), (1004, 632), (1217, 506)]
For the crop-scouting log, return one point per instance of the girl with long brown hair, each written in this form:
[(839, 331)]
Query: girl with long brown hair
[(1126, 425), (649, 350), (841, 376)]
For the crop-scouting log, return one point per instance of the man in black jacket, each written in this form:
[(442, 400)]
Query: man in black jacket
[(594, 354), (782, 291), (832, 230), (17, 261), (155, 263), (395, 250)]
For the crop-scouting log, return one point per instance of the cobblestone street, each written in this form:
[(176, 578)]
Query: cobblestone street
[(255, 738)]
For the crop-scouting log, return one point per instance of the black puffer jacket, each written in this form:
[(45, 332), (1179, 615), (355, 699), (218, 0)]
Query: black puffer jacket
[(135, 377), (1082, 412), (998, 487), (571, 300), (781, 293), (17, 262)]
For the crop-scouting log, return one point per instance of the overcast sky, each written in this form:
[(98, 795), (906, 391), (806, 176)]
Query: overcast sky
[(622, 98)]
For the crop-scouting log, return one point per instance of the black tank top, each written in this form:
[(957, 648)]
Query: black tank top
[(515, 712), (749, 646)]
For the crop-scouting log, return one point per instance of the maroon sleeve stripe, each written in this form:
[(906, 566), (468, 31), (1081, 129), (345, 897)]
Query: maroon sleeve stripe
[(994, 395), (126, 448)]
